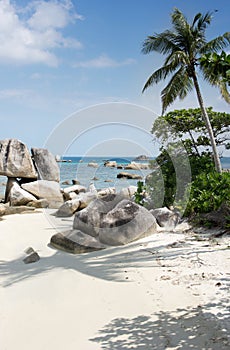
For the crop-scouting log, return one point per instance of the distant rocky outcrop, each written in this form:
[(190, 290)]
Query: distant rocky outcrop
[(141, 157)]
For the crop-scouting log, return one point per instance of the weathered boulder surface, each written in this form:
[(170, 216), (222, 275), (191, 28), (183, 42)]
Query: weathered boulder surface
[(45, 164), (128, 192), (165, 217), (129, 176), (15, 160), (39, 203), (49, 190), (32, 258), (125, 223), (71, 192), (5, 209), (106, 191), (76, 242), (16, 195), (71, 206), (68, 208), (89, 219)]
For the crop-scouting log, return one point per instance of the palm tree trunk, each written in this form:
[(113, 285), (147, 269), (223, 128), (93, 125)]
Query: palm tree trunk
[(208, 125)]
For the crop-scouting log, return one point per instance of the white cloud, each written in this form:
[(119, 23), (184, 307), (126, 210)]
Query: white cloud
[(103, 61), (32, 37)]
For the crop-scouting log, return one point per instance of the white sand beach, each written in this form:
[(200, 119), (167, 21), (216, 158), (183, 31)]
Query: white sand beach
[(167, 291)]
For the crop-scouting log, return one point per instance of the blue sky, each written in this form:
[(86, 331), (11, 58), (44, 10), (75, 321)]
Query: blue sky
[(61, 57)]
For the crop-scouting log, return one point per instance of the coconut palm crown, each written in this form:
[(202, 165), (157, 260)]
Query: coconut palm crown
[(183, 45)]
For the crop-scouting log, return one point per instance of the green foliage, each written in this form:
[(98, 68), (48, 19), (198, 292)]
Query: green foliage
[(188, 125), (216, 65), (163, 182), (208, 192), (139, 195), (216, 69)]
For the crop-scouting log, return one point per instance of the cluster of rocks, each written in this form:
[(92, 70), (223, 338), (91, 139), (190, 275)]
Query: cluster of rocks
[(102, 217), (32, 178), (111, 221), (131, 166)]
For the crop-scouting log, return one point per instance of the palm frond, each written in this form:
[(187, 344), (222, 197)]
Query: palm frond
[(203, 21), (160, 74), (179, 86), (162, 43), (217, 44), (179, 21), (177, 58), (224, 91)]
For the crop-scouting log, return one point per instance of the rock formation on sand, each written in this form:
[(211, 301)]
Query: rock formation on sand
[(31, 177)]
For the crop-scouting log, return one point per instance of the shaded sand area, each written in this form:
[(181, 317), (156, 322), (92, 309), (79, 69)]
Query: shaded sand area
[(167, 291)]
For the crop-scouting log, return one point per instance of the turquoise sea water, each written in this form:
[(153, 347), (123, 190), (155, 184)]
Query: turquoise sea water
[(77, 168)]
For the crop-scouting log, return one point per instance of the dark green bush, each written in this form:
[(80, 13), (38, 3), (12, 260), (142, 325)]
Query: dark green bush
[(208, 192)]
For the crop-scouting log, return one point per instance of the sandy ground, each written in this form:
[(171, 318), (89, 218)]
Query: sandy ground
[(167, 291)]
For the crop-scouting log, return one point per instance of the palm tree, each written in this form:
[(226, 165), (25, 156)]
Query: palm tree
[(183, 45)]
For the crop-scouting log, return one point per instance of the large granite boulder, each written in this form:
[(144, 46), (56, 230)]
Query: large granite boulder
[(125, 223), (75, 242), (49, 190), (16, 195), (15, 160), (45, 164), (165, 217), (89, 220)]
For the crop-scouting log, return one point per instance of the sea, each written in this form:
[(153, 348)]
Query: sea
[(102, 177)]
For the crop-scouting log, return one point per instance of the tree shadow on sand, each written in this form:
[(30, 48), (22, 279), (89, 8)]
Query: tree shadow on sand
[(108, 264), (195, 329)]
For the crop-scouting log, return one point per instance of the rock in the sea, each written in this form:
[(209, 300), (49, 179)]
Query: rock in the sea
[(126, 175), (49, 190), (125, 223), (32, 258), (110, 164), (75, 242), (66, 182), (15, 160), (75, 182), (165, 217), (16, 195), (93, 165), (45, 164), (137, 166)]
